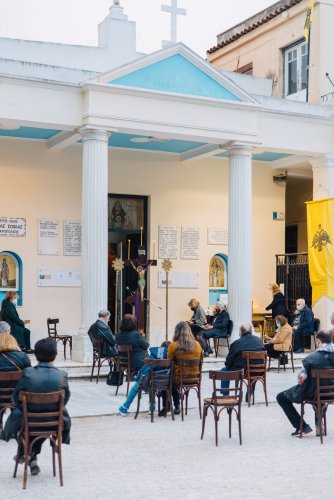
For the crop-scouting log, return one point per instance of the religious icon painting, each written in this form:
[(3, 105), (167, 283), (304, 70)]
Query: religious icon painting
[(125, 213), (217, 272), (8, 272)]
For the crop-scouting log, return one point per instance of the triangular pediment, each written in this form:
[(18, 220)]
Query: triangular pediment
[(176, 70)]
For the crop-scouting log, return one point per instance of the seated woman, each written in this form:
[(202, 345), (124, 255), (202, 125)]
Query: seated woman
[(197, 322), (11, 358), (184, 346), (17, 328), (282, 339), (129, 335)]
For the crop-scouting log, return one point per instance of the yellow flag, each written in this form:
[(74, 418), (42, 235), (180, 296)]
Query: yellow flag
[(308, 20), (320, 235)]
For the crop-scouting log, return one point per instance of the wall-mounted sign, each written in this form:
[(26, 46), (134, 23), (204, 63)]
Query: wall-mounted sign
[(179, 279), (12, 226), (217, 236), (72, 237), (59, 277), (168, 241), (48, 237), (190, 243)]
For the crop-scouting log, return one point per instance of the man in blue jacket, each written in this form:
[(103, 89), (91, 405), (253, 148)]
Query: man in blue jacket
[(304, 326)]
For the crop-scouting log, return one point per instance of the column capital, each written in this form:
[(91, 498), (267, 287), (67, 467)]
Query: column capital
[(323, 161), (235, 148), (89, 133)]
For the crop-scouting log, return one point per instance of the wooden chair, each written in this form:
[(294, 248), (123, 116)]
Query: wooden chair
[(217, 339), (269, 327), (124, 365), (306, 339), (160, 382), (39, 425), (190, 373), (52, 332), (230, 403), (99, 358), (324, 396), (10, 378), (256, 371), (282, 357)]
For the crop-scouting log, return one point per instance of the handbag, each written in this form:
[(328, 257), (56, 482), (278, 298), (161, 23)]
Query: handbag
[(11, 361), (115, 377)]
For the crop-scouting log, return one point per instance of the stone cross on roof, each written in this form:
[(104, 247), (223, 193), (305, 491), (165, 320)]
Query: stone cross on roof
[(174, 11)]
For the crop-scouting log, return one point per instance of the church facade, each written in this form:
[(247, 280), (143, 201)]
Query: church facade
[(162, 151)]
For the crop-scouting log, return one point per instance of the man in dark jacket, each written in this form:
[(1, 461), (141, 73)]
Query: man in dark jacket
[(305, 326), (234, 360), (218, 328), (321, 359), (41, 378), (100, 329)]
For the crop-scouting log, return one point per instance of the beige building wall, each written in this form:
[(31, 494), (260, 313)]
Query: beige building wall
[(263, 47), (44, 184)]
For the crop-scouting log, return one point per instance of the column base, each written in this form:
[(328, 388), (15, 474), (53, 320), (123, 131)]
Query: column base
[(82, 351)]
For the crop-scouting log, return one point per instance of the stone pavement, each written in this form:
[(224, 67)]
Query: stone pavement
[(118, 457)]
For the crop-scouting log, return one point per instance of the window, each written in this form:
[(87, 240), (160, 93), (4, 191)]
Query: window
[(295, 71)]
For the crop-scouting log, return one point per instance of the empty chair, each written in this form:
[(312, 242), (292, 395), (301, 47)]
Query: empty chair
[(256, 371), (52, 332), (231, 402), (40, 425)]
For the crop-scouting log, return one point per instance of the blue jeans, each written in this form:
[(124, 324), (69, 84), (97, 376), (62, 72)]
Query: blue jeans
[(132, 394), (225, 384)]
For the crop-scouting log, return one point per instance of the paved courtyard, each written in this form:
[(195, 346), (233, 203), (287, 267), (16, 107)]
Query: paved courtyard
[(115, 457)]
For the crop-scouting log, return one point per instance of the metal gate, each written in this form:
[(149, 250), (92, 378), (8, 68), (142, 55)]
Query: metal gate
[(292, 271)]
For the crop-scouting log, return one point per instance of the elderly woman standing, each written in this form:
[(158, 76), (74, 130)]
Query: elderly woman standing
[(10, 315), (282, 339), (11, 358)]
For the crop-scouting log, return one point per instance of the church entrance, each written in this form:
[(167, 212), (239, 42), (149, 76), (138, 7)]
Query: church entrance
[(127, 231)]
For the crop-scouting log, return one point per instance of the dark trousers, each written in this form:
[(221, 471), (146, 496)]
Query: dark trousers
[(215, 332), (175, 396), (271, 351), (297, 341), (289, 410), (27, 339)]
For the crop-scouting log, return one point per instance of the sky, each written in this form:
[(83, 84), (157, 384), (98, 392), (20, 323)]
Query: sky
[(75, 21)]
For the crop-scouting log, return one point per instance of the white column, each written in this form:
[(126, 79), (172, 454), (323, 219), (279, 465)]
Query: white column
[(94, 291), (240, 236), (323, 187)]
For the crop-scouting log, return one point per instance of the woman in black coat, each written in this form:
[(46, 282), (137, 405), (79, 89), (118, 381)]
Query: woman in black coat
[(277, 306), (11, 358), (130, 336), (17, 328)]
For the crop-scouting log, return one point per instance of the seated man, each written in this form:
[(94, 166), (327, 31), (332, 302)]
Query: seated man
[(321, 359), (100, 329), (234, 360), (44, 377), (218, 328), (305, 325)]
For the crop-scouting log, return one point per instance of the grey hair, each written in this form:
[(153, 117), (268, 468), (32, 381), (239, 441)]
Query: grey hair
[(245, 329), (4, 327), (104, 313), (302, 301)]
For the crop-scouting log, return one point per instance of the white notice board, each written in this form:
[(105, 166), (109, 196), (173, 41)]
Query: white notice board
[(217, 236), (168, 242), (59, 277), (72, 237), (48, 237), (179, 279), (190, 243)]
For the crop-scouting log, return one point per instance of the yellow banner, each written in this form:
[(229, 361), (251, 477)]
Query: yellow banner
[(320, 235), (308, 20)]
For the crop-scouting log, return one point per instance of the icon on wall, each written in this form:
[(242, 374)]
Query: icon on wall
[(8, 272)]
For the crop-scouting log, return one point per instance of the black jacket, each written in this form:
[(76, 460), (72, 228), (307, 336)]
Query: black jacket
[(41, 378), (234, 359), (220, 321), (19, 358), (306, 324), (100, 330), (138, 343), (320, 360), (278, 306), (10, 315)]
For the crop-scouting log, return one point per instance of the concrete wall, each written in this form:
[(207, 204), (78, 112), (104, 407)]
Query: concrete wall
[(48, 185), (298, 191)]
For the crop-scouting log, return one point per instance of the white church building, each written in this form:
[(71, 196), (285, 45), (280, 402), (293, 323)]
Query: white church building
[(111, 140)]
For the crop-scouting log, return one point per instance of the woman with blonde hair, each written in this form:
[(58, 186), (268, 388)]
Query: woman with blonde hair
[(281, 341), (11, 358), (184, 346), (277, 305)]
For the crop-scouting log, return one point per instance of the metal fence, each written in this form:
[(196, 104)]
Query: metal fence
[(292, 271)]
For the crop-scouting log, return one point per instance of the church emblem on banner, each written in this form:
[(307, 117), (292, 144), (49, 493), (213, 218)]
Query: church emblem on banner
[(320, 239), (320, 232)]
